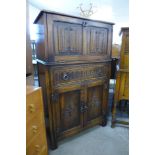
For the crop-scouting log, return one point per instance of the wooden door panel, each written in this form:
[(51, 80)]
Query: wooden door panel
[(96, 40), (94, 102), (67, 39), (69, 110)]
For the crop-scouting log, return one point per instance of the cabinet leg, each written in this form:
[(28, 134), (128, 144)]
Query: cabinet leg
[(104, 120), (54, 146), (53, 141), (113, 122), (113, 115)]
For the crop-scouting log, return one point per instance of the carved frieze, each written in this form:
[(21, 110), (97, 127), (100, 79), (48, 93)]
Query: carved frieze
[(79, 73)]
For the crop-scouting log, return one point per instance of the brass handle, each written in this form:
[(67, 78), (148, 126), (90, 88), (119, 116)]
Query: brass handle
[(65, 76), (32, 108), (83, 107)]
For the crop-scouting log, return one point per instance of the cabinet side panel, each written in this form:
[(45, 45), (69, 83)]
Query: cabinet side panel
[(41, 39), (42, 83)]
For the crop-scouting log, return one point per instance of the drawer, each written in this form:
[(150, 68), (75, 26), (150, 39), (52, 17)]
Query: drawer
[(33, 104), (77, 73), (37, 145), (34, 126)]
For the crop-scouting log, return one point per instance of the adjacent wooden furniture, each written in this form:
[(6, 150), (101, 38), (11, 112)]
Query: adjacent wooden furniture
[(116, 51), (36, 143), (115, 59), (74, 61), (122, 76)]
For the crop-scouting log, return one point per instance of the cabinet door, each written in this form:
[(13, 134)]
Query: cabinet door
[(67, 39), (68, 115), (96, 40), (93, 115)]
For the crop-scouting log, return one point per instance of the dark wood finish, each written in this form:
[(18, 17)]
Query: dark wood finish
[(29, 66), (74, 56), (36, 143), (122, 77)]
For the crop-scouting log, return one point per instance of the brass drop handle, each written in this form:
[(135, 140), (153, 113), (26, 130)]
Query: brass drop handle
[(83, 107), (34, 128), (65, 76), (32, 108), (37, 147)]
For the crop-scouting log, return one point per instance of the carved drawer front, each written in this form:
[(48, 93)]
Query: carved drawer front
[(78, 73), (37, 145), (34, 126), (34, 105)]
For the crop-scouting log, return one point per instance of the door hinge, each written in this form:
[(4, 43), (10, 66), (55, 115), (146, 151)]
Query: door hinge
[(55, 97)]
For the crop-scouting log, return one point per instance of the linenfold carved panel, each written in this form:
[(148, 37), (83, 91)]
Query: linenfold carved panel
[(96, 40), (68, 38)]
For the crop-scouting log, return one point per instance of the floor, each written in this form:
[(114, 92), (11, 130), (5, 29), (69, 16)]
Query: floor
[(96, 141)]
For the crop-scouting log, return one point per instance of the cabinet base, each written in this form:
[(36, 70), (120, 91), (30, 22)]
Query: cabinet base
[(104, 121)]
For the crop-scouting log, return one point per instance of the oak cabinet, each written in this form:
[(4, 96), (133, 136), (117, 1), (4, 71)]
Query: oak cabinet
[(74, 61)]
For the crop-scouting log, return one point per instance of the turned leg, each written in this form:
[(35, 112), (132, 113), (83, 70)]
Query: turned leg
[(113, 115), (53, 141), (104, 120)]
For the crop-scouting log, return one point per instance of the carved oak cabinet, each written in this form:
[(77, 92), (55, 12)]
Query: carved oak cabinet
[(74, 61)]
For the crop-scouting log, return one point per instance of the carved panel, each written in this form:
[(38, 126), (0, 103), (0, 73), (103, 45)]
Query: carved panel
[(70, 110), (67, 38), (94, 102), (96, 40)]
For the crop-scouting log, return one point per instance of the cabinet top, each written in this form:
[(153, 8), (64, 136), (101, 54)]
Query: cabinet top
[(30, 89), (62, 14)]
